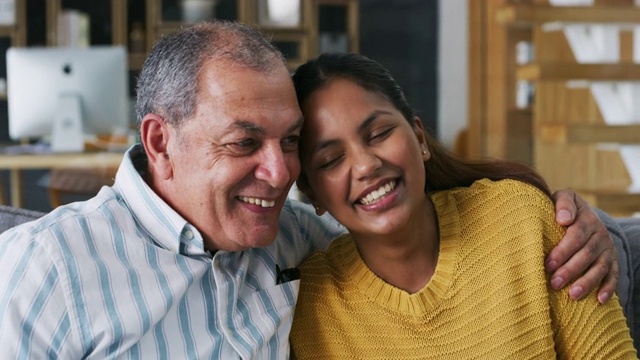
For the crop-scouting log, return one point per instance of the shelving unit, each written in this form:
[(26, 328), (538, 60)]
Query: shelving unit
[(158, 17), (116, 20), (298, 42), (563, 131)]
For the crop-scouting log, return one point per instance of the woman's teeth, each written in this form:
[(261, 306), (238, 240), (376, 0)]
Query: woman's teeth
[(256, 201), (378, 193)]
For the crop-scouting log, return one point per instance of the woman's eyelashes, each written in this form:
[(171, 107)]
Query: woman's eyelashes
[(374, 137), (380, 134), (330, 162)]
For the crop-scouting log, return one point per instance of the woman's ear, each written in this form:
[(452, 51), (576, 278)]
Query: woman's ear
[(319, 209), (303, 186), (422, 138)]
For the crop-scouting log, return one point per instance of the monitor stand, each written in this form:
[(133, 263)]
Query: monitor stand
[(67, 134)]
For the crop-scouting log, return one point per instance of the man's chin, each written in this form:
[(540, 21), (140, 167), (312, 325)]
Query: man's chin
[(259, 238)]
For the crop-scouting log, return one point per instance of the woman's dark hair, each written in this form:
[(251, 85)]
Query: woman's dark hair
[(444, 169)]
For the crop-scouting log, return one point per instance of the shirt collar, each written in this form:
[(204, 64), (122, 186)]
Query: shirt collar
[(164, 225)]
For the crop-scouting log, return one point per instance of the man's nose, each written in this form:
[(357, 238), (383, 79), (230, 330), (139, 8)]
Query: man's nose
[(273, 167)]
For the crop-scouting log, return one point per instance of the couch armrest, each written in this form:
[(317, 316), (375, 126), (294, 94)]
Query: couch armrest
[(10, 216)]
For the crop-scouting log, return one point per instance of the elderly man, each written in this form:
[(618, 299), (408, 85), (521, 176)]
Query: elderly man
[(190, 254)]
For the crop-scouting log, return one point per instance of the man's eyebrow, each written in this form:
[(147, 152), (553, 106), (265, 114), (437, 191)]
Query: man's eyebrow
[(248, 126), (297, 125)]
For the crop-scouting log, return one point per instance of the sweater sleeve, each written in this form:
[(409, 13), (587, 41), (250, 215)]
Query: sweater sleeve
[(585, 329)]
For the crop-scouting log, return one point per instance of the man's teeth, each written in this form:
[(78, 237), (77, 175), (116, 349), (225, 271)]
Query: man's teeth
[(256, 201), (378, 193)]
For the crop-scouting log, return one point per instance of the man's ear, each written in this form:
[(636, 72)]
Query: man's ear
[(155, 135)]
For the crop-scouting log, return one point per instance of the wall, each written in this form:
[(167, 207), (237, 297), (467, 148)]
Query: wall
[(403, 36), (452, 74), (424, 45)]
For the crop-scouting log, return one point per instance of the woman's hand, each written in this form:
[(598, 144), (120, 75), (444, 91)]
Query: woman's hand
[(585, 249)]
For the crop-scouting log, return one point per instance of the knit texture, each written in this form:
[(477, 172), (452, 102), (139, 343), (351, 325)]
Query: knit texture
[(488, 298)]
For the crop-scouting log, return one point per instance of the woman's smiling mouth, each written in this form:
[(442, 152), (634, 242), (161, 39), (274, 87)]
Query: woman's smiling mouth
[(377, 194)]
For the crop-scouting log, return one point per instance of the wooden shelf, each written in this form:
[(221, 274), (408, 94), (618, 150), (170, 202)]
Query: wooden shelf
[(60, 160), (585, 133), (573, 71), (7, 31), (531, 15), (614, 202), (562, 132), (136, 61)]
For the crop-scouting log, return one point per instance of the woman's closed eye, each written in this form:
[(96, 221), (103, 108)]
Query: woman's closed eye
[(381, 134), (329, 162)]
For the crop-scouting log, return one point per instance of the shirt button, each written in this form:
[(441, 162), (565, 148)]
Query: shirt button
[(188, 234)]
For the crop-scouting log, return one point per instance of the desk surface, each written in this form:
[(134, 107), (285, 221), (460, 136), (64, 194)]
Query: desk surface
[(60, 160), (16, 163)]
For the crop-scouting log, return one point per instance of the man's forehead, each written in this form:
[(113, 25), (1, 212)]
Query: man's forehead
[(240, 84)]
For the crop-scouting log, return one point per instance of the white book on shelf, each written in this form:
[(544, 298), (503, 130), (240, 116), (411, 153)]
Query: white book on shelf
[(73, 28), (7, 12)]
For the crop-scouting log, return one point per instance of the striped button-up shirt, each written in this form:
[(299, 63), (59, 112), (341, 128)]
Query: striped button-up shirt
[(123, 275)]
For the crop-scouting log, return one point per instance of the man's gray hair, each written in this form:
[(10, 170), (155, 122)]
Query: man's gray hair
[(168, 83)]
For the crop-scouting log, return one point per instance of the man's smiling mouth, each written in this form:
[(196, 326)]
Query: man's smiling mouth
[(257, 201)]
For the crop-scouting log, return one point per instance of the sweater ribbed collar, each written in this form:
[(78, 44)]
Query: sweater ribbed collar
[(353, 268)]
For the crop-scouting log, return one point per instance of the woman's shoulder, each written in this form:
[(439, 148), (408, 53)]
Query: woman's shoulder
[(502, 193), (510, 186), (497, 202)]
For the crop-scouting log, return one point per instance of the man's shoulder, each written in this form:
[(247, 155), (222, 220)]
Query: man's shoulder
[(300, 218), (65, 219), (294, 207), (296, 213)]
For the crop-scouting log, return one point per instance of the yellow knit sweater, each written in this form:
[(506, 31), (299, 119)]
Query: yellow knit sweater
[(488, 299)]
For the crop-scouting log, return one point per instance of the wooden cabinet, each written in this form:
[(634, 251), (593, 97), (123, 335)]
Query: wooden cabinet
[(561, 127)]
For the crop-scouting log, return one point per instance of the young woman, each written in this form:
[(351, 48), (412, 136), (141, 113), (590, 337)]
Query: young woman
[(444, 257)]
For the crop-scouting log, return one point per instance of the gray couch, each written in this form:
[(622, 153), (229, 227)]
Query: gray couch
[(625, 233)]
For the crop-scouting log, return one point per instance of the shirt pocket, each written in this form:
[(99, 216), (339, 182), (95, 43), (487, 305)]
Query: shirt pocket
[(269, 319), (278, 301)]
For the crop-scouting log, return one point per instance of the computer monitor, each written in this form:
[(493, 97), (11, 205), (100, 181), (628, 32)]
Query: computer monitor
[(67, 94)]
